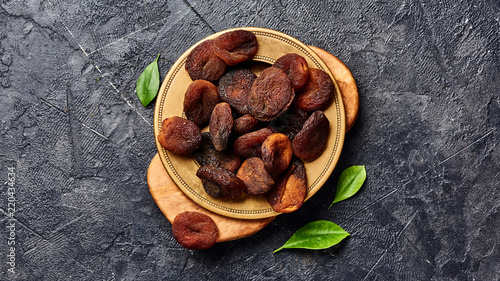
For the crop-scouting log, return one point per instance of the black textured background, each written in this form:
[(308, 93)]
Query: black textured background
[(80, 142)]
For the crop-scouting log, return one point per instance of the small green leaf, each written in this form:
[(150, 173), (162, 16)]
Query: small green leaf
[(350, 181), (316, 235), (148, 83)]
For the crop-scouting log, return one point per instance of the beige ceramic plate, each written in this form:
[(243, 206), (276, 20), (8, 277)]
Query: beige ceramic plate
[(182, 169)]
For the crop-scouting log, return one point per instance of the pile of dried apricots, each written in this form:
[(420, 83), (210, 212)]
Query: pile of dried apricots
[(261, 129)]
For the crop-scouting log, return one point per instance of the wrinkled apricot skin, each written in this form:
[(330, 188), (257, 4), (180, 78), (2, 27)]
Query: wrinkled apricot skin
[(179, 135), (289, 193), (236, 46), (310, 142), (290, 122), (199, 101), (224, 183), (207, 154), (245, 124), (249, 145), (276, 153), (234, 88), (203, 64), (317, 93), (257, 179), (295, 67), (271, 94), (194, 230), (221, 125)]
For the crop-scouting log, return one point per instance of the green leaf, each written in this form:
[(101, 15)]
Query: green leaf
[(148, 83), (316, 235), (350, 181)]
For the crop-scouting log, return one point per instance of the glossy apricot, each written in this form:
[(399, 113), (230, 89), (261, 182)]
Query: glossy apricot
[(180, 136), (203, 64)]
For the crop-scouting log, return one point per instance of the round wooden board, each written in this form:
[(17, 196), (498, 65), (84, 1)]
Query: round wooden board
[(172, 201), (346, 83)]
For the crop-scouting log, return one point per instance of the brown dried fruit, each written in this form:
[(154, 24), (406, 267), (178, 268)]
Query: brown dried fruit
[(199, 101), (346, 84), (203, 64), (221, 124), (290, 192), (310, 142), (271, 94), (245, 124), (276, 153), (249, 145), (179, 135), (207, 154), (236, 46), (290, 122), (295, 67), (194, 230), (222, 182), (257, 179), (317, 93), (234, 88)]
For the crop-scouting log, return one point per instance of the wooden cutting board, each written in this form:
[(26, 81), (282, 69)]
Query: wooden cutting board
[(172, 201)]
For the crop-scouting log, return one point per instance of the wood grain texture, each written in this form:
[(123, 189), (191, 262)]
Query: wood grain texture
[(172, 201)]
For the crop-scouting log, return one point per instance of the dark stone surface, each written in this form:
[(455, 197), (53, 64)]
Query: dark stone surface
[(80, 142)]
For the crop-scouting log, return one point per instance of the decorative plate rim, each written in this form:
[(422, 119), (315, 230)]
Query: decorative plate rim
[(267, 212)]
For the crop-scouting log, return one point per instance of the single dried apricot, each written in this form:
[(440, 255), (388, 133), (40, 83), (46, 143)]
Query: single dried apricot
[(245, 124), (234, 88), (317, 93), (249, 145), (257, 179), (199, 101), (290, 192), (310, 142), (290, 122), (223, 183), (221, 124), (207, 154), (203, 64), (271, 94), (195, 230), (276, 153), (236, 46), (346, 84), (179, 135), (295, 67)]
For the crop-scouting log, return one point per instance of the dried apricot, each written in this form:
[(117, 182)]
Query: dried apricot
[(179, 135), (234, 88), (236, 46), (203, 64), (290, 192), (317, 93), (310, 142), (271, 94), (257, 179), (245, 124), (290, 122), (276, 153), (223, 183), (194, 230), (199, 101), (249, 145), (207, 154), (221, 124), (295, 67)]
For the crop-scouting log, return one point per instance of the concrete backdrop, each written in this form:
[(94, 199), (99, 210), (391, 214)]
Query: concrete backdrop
[(77, 142)]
